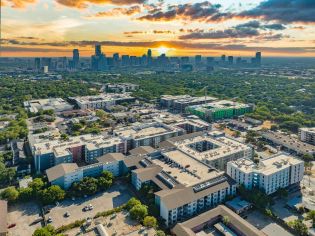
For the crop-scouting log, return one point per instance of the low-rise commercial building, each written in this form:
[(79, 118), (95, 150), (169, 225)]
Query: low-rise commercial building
[(55, 104), (103, 101), (148, 134), (217, 110), (179, 103), (84, 148), (212, 150), (278, 171), (307, 135), (67, 173), (213, 221), (288, 143)]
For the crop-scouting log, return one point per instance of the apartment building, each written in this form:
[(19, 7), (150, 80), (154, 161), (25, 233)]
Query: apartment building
[(186, 185), (217, 110), (278, 171), (288, 143), (65, 174), (307, 135), (55, 104), (210, 148), (215, 219), (179, 103), (102, 101), (85, 148), (148, 134)]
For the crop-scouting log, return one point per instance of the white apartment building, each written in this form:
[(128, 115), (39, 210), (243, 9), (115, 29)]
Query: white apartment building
[(307, 135), (279, 171), (148, 134), (102, 101)]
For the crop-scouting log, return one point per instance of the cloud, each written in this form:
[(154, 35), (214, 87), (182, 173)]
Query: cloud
[(17, 3), (119, 11), (285, 11), (203, 11), (222, 34), (85, 3), (258, 25)]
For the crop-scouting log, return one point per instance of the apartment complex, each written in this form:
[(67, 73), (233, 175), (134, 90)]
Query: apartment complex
[(279, 171), (85, 148), (148, 134), (213, 150), (185, 185), (218, 110), (307, 135), (288, 143), (179, 103), (103, 101), (214, 220), (55, 104), (67, 173)]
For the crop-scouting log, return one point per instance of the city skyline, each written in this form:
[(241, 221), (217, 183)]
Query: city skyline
[(33, 28)]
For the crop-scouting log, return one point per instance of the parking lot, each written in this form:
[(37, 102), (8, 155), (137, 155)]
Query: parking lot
[(23, 215), (114, 197), (266, 225)]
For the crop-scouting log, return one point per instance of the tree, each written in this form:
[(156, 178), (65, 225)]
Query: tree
[(226, 220), (45, 231), (25, 194), (51, 195), (103, 183), (299, 226), (160, 233), (107, 175), (132, 202), (87, 186), (10, 194), (37, 184), (150, 221), (311, 216), (138, 212), (64, 137)]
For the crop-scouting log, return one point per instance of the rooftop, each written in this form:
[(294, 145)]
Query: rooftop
[(204, 147), (237, 223), (289, 142), (219, 105), (60, 170), (267, 166), (104, 97), (57, 104), (144, 130)]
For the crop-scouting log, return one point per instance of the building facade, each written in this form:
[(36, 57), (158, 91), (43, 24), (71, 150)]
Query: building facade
[(279, 171)]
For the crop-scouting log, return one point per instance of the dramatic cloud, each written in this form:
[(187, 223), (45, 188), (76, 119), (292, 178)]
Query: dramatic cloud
[(203, 11), (222, 34), (258, 25), (85, 3), (119, 11), (284, 11), (16, 3)]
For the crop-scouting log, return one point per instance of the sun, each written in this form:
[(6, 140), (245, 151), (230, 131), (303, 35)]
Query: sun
[(162, 50)]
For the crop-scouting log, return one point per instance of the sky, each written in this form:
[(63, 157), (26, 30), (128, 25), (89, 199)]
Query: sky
[(37, 28)]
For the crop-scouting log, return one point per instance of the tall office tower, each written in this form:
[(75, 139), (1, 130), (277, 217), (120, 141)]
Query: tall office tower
[(184, 60), (76, 57), (258, 58), (125, 61), (198, 59), (116, 56), (98, 50), (239, 60), (230, 60), (37, 63), (149, 53), (223, 58)]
